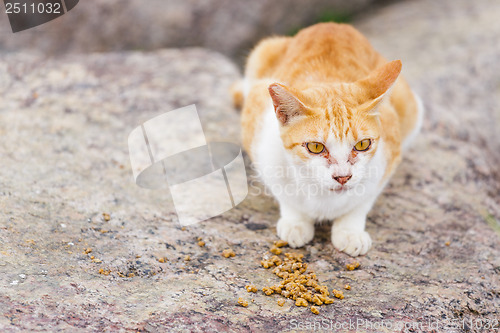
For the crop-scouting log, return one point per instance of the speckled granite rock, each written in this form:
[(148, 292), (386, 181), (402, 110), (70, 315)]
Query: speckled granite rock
[(228, 26), (64, 124)]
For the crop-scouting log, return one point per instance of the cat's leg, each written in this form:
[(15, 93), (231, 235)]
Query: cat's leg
[(348, 232), (294, 227)]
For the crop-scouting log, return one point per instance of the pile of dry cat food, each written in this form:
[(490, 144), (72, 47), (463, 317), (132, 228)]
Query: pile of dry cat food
[(297, 282)]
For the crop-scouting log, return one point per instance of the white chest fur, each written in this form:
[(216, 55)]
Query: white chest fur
[(308, 195)]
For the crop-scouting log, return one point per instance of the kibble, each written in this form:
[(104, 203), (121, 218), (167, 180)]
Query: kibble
[(347, 287), (315, 299), (275, 250), (228, 253), (352, 266), (280, 243), (163, 260), (297, 283), (242, 302), (266, 263), (328, 300), (201, 243), (106, 217), (268, 291), (337, 293), (251, 288), (314, 310), (301, 302)]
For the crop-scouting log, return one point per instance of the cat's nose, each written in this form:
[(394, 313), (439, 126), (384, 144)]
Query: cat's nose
[(342, 179)]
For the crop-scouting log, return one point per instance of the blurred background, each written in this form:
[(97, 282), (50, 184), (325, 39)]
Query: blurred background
[(231, 27)]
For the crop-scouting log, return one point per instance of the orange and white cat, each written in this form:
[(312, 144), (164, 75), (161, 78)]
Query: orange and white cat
[(324, 119)]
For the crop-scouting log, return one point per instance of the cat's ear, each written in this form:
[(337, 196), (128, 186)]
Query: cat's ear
[(286, 103), (374, 87)]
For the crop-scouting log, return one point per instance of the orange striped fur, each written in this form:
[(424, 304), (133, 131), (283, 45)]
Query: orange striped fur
[(328, 85)]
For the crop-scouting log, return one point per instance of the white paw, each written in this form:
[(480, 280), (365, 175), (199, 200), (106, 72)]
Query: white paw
[(352, 242), (296, 233)]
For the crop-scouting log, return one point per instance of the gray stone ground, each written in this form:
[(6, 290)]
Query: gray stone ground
[(64, 124)]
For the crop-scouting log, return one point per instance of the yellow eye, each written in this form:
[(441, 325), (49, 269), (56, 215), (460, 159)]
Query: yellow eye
[(315, 147), (363, 145)]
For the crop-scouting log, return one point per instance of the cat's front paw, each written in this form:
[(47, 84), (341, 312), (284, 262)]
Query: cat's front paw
[(296, 233), (352, 242)]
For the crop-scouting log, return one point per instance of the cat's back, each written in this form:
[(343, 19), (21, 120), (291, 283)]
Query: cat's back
[(327, 52), (323, 53)]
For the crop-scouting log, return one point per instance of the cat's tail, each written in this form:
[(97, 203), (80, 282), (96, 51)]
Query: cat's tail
[(237, 93)]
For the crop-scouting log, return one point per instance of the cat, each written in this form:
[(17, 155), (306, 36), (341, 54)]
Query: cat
[(325, 118)]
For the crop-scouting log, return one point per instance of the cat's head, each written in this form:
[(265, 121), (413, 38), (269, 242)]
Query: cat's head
[(331, 132)]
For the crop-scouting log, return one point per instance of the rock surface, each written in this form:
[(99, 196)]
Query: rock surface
[(64, 124), (228, 26)]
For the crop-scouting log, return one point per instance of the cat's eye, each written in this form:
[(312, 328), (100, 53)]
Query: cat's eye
[(315, 147), (363, 145)]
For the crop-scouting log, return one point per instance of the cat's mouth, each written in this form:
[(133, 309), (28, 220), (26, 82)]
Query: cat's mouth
[(340, 189)]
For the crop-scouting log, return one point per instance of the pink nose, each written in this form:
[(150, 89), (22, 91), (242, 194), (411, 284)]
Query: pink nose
[(342, 179)]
